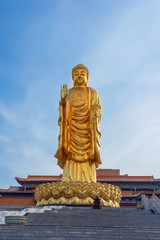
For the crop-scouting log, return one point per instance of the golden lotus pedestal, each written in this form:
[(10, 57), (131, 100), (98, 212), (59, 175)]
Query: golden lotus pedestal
[(77, 193)]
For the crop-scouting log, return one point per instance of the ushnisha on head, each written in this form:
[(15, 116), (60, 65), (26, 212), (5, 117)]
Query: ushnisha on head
[(80, 75)]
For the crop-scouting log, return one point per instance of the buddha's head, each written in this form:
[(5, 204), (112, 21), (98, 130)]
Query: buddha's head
[(80, 75)]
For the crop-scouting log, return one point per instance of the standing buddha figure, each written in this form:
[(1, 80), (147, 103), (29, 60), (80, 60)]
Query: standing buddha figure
[(78, 150)]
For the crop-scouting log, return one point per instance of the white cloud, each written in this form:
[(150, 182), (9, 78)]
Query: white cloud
[(6, 114)]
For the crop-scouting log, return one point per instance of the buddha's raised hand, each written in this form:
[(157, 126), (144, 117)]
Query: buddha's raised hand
[(64, 91)]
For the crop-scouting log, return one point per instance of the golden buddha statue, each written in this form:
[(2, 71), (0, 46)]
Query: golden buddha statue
[(78, 151)]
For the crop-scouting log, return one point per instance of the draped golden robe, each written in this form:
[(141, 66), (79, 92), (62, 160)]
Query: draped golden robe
[(78, 151)]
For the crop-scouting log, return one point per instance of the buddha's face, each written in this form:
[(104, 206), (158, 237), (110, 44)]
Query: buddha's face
[(80, 78)]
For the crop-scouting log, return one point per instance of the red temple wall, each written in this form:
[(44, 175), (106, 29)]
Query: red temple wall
[(17, 202)]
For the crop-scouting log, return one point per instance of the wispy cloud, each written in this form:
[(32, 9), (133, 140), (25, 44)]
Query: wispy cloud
[(6, 114)]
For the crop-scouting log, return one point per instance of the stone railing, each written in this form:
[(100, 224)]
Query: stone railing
[(4, 213), (152, 203)]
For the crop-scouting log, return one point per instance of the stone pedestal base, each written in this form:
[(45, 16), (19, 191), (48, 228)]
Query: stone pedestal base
[(15, 220), (77, 193)]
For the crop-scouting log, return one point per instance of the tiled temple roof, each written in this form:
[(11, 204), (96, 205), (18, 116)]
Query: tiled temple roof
[(15, 189), (131, 193), (12, 189), (103, 175), (38, 178), (108, 172), (124, 178)]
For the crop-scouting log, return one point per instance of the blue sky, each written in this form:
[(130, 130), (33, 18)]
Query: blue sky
[(40, 42)]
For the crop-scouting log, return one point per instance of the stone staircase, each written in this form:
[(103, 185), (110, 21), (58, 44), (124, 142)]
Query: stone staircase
[(86, 223)]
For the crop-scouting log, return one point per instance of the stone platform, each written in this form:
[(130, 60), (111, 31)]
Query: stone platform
[(86, 223)]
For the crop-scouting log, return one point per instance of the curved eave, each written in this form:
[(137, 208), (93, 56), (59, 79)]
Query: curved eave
[(36, 182)]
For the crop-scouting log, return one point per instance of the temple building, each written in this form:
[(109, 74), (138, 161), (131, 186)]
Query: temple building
[(132, 188)]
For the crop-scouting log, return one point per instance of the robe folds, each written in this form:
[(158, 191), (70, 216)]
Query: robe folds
[(78, 150)]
